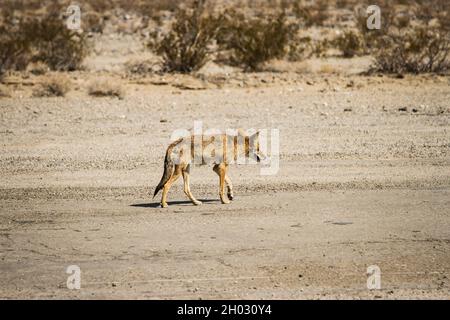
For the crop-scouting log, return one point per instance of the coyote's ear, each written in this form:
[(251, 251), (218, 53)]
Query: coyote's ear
[(254, 136), (241, 132)]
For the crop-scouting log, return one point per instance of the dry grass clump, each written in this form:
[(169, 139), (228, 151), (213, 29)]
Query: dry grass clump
[(106, 88), (57, 85), (4, 91), (142, 67)]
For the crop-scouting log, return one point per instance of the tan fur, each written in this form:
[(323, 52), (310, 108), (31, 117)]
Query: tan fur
[(226, 147)]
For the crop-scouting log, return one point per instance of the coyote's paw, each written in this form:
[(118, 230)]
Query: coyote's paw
[(230, 196), (197, 203), (225, 201), (164, 205)]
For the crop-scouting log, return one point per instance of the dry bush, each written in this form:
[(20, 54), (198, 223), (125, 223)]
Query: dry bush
[(54, 86), (93, 22), (185, 47), (148, 8), (311, 13), (40, 39), (13, 52), (142, 67), (421, 49), (412, 39), (300, 48), (427, 10), (54, 44), (350, 43), (106, 88), (321, 47), (38, 68), (253, 41)]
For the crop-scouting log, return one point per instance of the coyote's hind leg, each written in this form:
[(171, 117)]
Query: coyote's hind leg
[(176, 174), (187, 189)]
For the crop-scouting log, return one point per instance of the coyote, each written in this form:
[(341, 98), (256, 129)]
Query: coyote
[(220, 150)]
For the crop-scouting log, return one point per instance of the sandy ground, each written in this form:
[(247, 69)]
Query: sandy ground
[(361, 183)]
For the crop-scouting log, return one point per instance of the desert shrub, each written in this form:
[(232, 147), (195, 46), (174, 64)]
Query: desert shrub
[(311, 13), (53, 86), (149, 8), (300, 48), (416, 50), (321, 47), (53, 43), (141, 67), (350, 43), (106, 88), (409, 41), (14, 53), (255, 40), (45, 40), (37, 68), (185, 47)]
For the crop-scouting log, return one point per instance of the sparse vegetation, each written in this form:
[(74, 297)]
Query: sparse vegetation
[(45, 40), (255, 40), (13, 53), (311, 14), (185, 47), (350, 43), (106, 88), (57, 85), (142, 67), (38, 68), (186, 34), (422, 49)]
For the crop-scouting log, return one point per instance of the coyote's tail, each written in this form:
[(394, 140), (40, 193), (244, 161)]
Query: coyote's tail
[(168, 166)]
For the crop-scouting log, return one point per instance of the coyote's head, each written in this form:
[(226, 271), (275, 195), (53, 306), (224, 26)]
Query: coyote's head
[(254, 148)]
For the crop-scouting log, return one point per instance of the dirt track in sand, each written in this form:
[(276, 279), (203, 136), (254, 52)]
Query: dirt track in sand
[(366, 186)]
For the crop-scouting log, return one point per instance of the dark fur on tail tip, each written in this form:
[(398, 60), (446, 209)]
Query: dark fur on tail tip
[(168, 167), (168, 170)]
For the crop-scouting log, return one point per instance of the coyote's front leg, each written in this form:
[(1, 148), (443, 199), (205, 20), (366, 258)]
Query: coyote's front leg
[(221, 170), (229, 187)]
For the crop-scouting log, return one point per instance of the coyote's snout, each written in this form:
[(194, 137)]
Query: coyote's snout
[(218, 150)]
